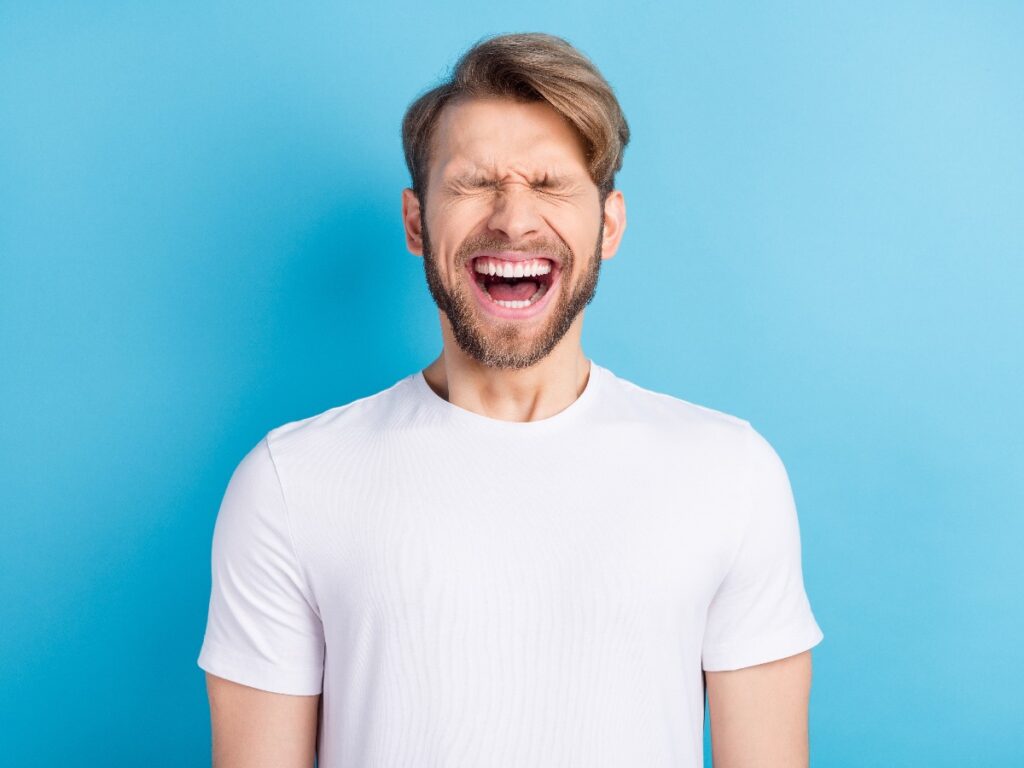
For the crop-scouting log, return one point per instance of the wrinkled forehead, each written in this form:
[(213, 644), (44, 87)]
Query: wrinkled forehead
[(495, 137)]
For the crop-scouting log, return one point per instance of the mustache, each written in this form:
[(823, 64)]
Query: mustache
[(557, 249)]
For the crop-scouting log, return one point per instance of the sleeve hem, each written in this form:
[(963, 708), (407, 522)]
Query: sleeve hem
[(257, 673), (760, 650)]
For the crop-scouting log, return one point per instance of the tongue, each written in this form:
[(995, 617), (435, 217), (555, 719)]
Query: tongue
[(520, 290)]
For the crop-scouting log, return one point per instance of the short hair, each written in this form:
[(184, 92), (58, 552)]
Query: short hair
[(526, 67)]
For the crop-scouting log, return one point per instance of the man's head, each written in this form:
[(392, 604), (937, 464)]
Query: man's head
[(512, 205)]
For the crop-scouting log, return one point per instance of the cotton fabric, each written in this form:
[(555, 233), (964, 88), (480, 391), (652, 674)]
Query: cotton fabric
[(466, 591)]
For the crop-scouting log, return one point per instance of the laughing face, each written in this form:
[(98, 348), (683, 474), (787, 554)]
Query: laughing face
[(513, 230)]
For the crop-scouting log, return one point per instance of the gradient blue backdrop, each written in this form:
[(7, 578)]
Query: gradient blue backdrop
[(200, 240)]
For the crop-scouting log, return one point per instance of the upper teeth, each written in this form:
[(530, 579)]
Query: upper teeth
[(531, 268)]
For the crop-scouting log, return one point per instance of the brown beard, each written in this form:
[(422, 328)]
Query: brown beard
[(504, 347)]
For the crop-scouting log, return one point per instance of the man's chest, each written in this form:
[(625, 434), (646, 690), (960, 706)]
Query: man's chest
[(521, 544)]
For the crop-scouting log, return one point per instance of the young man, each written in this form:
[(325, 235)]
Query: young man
[(513, 557)]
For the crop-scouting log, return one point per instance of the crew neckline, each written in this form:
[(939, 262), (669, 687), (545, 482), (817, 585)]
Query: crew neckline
[(570, 413)]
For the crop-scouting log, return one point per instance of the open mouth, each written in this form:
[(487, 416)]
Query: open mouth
[(514, 285)]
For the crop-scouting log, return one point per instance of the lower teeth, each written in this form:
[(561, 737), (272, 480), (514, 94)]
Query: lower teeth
[(519, 304)]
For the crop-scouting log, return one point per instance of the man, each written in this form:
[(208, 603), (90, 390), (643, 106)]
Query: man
[(513, 557)]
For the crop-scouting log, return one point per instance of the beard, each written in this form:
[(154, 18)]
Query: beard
[(504, 344)]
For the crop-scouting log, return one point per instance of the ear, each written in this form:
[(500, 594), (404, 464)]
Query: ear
[(614, 223), (412, 221)]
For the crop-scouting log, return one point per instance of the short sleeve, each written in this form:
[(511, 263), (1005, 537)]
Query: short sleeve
[(263, 628), (760, 612)]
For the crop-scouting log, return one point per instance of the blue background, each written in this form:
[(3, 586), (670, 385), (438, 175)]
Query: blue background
[(200, 240)]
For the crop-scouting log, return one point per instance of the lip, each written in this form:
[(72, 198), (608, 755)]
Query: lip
[(508, 313)]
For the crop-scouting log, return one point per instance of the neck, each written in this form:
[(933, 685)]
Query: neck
[(525, 394)]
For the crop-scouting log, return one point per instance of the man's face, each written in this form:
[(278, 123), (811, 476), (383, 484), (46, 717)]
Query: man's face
[(511, 229)]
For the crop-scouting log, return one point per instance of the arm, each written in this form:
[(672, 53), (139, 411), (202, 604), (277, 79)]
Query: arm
[(264, 646), (257, 729), (759, 714)]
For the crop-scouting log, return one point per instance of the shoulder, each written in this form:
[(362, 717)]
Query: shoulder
[(344, 424), (708, 437), (673, 416)]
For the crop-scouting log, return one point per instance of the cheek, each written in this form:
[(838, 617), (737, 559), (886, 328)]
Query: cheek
[(581, 236), (449, 229), (459, 214)]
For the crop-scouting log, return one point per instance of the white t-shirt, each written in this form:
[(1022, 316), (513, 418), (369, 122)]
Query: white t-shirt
[(467, 591)]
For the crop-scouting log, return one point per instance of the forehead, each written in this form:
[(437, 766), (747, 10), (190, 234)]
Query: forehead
[(505, 135)]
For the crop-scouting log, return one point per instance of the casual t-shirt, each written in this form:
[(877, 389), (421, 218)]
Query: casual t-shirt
[(468, 591)]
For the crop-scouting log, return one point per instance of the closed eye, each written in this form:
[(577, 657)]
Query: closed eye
[(545, 185), (467, 185), (553, 188)]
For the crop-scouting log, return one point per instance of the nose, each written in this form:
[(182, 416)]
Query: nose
[(514, 212)]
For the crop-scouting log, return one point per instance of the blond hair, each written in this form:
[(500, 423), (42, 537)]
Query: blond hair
[(526, 67)]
